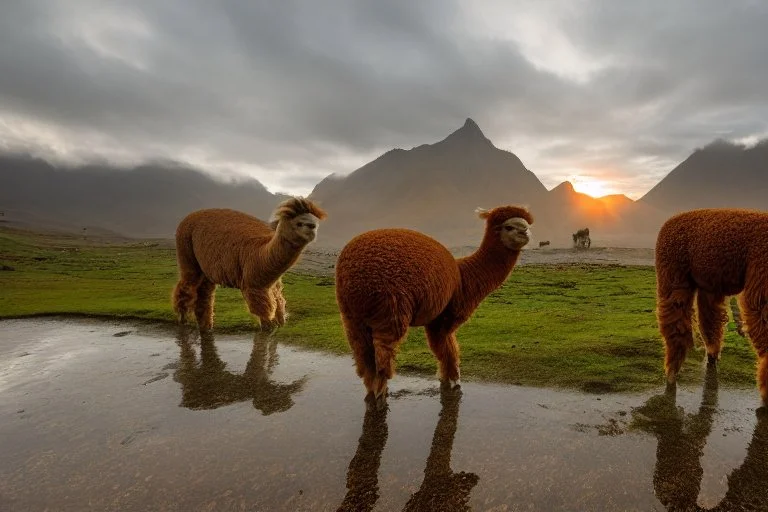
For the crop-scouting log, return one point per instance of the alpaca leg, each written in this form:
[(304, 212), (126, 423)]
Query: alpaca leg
[(261, 303), (385, 349), (185, 296), (361, 343), (280, 313), (385, 346), (754, 309), (204, 307), (674, 311), (446, 349), (712, 317)]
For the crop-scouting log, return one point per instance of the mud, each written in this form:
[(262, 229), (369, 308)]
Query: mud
[(158, 419)]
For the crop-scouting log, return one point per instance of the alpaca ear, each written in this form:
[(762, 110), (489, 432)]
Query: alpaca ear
[(482, 212)]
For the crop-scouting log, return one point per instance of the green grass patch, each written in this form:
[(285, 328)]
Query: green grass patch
[(589, 327)]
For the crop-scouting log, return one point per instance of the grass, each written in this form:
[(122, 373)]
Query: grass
[(589, 327)]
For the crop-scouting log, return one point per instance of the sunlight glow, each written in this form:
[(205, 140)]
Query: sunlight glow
[(591, 186)]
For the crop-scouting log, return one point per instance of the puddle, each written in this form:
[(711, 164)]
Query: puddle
[(156, 419)]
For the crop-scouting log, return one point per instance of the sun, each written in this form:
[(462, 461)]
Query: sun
[(590, 186)]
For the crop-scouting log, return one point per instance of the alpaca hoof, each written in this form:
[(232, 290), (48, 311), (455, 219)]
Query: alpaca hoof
[(268, 326), (454, 383)]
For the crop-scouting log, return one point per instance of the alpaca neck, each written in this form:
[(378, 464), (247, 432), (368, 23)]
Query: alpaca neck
[(485, 270), (280, 254)]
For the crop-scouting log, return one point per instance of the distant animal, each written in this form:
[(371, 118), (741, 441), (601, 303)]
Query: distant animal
[(709, 255), (542, 244), (581, 239), (390, 279), (233, 249)]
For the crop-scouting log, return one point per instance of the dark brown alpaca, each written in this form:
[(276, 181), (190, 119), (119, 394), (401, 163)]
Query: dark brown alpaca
[(708, 255), (233, 249), (390, 279)]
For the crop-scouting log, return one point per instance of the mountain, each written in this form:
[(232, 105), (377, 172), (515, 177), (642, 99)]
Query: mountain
[(435, 188), (145, 201), (721, 174), (613, 220)]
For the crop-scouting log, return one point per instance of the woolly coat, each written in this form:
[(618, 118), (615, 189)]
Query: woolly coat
[(225, 244), (389, 279), (718, 250)]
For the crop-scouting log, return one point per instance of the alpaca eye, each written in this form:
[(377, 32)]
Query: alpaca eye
[(508, 228), (299, 224)]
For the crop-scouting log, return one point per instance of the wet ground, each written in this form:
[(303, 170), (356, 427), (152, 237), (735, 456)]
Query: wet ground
[(128, 416)]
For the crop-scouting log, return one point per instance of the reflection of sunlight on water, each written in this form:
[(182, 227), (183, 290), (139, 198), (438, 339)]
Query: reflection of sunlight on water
[(36, 359), (725, 451)]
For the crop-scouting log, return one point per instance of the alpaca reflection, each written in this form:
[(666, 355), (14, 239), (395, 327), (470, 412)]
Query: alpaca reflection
[(207, 384), (681, 441), (363, 472), (441, 489), (748, 485), (682, 437)]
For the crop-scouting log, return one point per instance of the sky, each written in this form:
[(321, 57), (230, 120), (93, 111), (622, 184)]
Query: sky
[(611, 95)]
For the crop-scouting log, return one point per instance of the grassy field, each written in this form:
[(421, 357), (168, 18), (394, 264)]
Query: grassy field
[(578, 326)]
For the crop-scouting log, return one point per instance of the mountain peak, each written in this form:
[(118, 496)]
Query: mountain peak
[(564, 187), (469, 132)]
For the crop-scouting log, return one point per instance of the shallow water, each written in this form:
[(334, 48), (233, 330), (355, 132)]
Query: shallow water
[(130, 416)]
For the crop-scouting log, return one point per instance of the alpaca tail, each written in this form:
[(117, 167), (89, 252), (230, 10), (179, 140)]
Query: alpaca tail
[(183, 299), (360, 339), (184, 296)]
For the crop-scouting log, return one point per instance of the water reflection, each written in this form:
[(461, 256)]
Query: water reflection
[(441, 489), (363, 472), (207, 384), (681, 441)]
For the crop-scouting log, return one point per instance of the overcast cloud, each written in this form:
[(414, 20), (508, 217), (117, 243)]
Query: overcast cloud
[(290, 91)]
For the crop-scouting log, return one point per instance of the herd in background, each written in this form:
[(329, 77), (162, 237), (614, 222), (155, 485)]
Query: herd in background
[(388, 280)]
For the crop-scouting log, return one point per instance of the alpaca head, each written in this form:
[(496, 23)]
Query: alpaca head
[(297, 220), (511, 224)]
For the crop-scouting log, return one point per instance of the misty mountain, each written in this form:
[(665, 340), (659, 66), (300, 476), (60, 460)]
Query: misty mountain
[(435, 188), (145, 201), (721, 174)]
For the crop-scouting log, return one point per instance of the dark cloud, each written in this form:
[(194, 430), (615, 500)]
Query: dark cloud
[(291, 91)]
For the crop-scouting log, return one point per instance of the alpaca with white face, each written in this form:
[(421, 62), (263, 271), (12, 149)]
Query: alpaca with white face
[(233, 249), (388, 280)]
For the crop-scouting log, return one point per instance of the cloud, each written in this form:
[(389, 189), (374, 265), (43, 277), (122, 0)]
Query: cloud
[(291, 91)]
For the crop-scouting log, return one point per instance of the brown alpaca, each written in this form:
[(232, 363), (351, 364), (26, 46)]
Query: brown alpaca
[(708, 255), (390, 279), (233, 249)]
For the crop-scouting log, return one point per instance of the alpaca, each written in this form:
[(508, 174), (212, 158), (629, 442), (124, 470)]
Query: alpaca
[(708, 255), (233, 249), (581, 239), (207, 384), (390, 279)]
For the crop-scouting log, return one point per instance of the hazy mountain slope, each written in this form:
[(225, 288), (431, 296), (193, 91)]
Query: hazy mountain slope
[(433, 187), (145, 201), (721, 174)]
